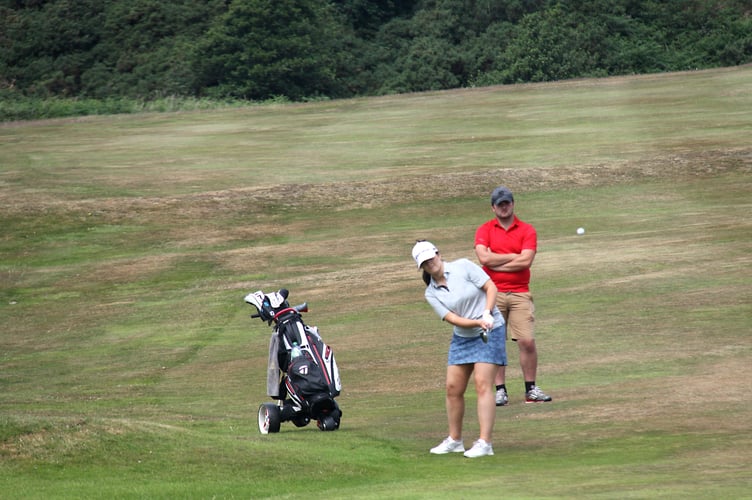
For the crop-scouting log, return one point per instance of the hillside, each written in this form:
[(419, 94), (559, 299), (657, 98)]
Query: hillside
[(130, 368)]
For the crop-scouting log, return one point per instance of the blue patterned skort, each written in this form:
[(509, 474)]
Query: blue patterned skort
[(464, 350)]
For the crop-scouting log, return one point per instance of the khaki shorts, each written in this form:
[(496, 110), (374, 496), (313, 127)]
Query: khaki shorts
[(518, 310)]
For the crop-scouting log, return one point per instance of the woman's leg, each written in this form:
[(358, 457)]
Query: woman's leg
[(456, 383), (486, 390)]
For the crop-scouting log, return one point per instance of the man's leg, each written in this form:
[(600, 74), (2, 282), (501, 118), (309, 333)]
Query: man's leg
[(522, 319), (500, 380), (528, 359), (501, 376)]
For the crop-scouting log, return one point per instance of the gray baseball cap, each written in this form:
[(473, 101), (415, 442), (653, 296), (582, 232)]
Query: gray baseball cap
[(501, 193)]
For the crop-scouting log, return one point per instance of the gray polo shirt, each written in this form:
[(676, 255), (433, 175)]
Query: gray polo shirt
[(463, 295)]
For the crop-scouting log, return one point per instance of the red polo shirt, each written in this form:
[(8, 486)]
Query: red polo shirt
[(520, 236)]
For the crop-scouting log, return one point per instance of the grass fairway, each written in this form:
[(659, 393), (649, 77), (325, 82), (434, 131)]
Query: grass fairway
[(129, 366)]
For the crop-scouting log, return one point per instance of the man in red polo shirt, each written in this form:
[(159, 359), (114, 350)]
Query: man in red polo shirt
[(506, 248)]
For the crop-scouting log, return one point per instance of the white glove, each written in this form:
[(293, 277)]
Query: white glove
[(488, 320)]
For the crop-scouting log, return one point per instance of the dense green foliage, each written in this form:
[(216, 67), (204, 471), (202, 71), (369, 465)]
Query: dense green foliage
[(302, 49), (263, 48)]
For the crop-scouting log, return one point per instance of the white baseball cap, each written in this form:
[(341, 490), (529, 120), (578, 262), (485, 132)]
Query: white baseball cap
[(423, 251)]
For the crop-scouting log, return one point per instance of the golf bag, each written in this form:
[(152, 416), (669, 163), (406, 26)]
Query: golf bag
[(302, 373)]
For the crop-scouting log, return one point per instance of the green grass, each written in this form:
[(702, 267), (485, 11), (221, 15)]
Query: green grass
[(129, 366)]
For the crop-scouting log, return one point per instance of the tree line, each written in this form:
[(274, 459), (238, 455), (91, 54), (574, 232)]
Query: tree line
[(312, 49)]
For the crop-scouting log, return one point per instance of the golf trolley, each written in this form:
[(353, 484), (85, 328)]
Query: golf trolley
[(302, 373)]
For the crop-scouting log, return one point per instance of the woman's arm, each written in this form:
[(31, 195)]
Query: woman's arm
[(457, 320), (486, 321), (490, 288)]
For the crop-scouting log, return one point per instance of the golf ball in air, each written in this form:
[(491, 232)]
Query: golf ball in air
[(580, 230)]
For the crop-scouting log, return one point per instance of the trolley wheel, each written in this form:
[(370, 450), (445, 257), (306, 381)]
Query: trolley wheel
[(301, 420), (269, 418)]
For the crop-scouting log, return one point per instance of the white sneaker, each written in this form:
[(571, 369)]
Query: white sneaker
[(449, 445), (501, 397), (480, 449), (535, 395)]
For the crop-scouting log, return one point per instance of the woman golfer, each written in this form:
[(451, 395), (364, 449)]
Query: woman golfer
[(462, 294)]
